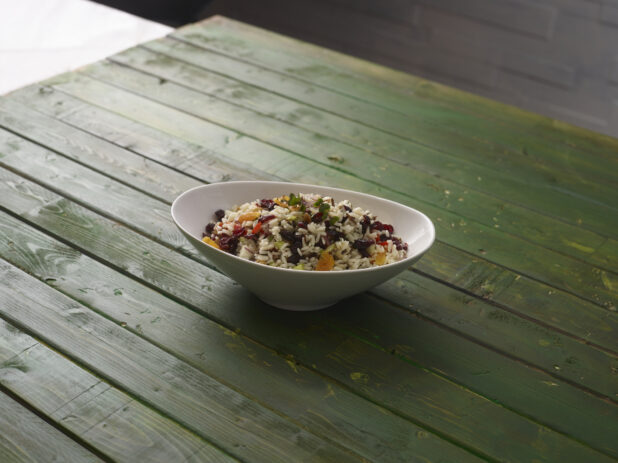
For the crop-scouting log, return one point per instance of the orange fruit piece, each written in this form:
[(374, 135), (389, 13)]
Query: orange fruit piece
[(210, 242), (325, 262)]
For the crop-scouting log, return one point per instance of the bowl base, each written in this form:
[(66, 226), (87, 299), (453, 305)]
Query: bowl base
[(298, 307)]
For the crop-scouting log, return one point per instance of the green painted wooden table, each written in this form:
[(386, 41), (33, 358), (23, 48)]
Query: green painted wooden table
[(119, 343)]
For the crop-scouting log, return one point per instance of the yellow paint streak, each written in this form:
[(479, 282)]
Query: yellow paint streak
[(544, 342), (359, 377), (330, 393), (550, 383), (292, 365), (607, 281), (579, 247), (229, 333)]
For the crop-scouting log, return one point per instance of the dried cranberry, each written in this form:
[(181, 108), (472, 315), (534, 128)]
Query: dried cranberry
[(266, 218), (228, 243), (219, 214), (388, 228), (365, 221), (317, 217), (301, 225), (209, 228), (377, 225), (268, 204), (347, 208)]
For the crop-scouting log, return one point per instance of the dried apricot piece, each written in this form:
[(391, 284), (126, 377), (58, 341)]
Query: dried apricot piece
[(325, 262), (210, 242), (380, 258), (248, 216)]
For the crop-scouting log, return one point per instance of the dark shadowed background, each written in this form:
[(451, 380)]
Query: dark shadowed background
[(554, 57)]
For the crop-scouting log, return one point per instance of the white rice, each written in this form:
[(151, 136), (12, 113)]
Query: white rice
[(300, 229)]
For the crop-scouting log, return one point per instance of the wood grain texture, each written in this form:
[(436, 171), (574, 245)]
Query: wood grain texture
[(595, 383), (404, 180), (558, 270), (514, 182), (139, 171), (25, 437), (569, 314), (109, 420), (166, 227), (561, 145), (188, 284), (209, 408), (326, 408), (128, 342)]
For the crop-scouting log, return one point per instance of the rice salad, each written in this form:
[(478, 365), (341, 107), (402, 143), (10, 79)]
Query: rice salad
[(305, 232)]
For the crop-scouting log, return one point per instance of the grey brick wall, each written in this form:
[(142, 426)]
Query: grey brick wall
[(554, 57)]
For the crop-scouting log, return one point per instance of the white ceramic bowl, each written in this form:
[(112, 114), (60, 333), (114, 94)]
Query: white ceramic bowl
[(298, 289)]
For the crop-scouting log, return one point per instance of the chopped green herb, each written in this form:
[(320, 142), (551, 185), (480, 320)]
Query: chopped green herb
[(294, 200), (334, 219), (279, 244), (324, 207), (318, 202), (299, 267)]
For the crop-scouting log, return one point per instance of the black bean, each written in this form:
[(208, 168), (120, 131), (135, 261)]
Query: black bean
[(293, 259), (362, 243), (287, 235), (209, 228), (219, 214)]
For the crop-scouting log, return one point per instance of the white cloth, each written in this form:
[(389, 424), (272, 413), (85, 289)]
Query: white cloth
[(41, 38)]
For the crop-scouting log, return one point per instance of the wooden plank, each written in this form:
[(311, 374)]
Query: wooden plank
[(374, 83), (27, 438), (326, 408), (109, 420), (418, 186), (538, 263), (307, 106), (501, 383), (138, 172), (569, 314), (212, 410), (522, 295), (166, 228)]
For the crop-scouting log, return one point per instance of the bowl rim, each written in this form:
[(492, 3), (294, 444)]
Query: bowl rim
[(409, 259)]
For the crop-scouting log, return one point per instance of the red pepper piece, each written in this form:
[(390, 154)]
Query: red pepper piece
[(257, 228)]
